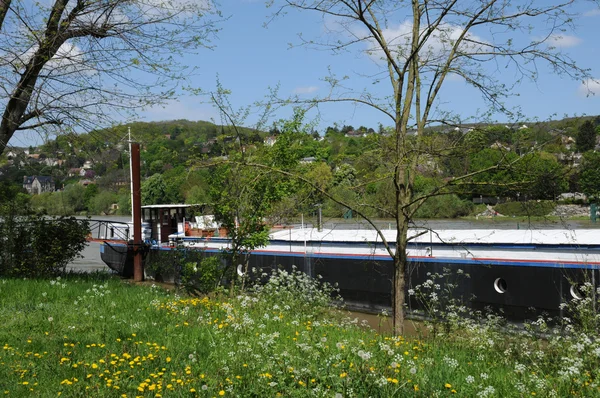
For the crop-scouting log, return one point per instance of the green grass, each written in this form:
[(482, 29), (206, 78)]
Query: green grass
[(98, 336)]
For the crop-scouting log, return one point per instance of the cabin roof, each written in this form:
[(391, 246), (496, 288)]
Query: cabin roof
[(474, 236), (170, 206)]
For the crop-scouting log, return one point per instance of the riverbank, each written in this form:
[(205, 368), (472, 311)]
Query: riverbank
[(95, 335)]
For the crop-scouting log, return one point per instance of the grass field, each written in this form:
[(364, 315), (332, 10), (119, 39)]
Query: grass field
[(98, 336)]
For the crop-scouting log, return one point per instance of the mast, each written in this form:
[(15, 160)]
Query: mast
[(136, 208), (130, 171)]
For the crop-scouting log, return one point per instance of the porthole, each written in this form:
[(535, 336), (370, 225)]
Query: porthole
[(575, 292), (240, 271), (500, 285)]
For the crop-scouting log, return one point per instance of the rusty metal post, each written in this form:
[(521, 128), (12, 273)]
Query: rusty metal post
[(136, 209)]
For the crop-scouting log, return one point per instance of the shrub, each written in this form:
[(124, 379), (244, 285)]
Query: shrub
[(445, 206), (526, 209), (191, 270), (34, 246), (201, 277), (297, 289)]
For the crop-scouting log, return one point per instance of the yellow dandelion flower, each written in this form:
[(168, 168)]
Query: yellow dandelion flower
[(453, 391), (221, 393), (448, 385), (416, 387), (342, 375)]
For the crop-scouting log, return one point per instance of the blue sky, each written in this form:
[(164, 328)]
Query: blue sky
[(249, 58)]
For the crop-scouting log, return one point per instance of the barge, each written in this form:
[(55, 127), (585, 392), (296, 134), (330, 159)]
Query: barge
[(519, 273)]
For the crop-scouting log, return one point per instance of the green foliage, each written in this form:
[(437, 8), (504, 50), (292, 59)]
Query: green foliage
[(589, 180), (493, 182), (53, 203), (74, 197), (13, 199), (298, 345), (342, 193), (526, 209), (586, 137), (201, 277), (241, 198), (34, 246), (444, 206), (102, 202), (541, 176), (192, 271), (159, 190), (90, 192), (300, 292)]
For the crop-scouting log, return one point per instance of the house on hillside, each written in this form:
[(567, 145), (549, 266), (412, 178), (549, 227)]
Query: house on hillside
[(270, 141), (74, 172), (355, 134), (36, 185)]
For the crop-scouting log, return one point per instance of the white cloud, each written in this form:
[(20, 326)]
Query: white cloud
[(592, 13), (563, 41), (437, 46), (305, 90), (589, 87)]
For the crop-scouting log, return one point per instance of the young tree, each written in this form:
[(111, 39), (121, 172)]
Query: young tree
[(418, 46), (68, 63)]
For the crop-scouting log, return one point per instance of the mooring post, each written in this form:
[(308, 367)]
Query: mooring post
[(136, 208), (319, 218)]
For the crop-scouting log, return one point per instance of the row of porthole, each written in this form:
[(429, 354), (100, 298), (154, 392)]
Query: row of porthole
[(500, 286)]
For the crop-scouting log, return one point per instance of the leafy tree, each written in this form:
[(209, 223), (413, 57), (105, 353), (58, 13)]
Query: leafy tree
[(13, 199), (541, 176), (586, 137), (90, 192), (102, 202), (432, 41), (155, 190), (74, 196), (68, 63), (240, 200), (589, 177), (124, 202)]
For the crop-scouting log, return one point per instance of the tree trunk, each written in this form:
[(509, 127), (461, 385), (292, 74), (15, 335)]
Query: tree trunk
[(399, 282)]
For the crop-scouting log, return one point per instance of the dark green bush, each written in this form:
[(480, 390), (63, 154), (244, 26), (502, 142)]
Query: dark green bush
[(526, 209), (191, 270), (34, 246)]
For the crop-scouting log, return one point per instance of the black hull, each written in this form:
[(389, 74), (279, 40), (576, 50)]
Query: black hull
[(118, 257), (517, 290), (526, 291)]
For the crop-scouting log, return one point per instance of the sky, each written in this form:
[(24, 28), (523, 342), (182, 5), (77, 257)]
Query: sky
[(248, 58)]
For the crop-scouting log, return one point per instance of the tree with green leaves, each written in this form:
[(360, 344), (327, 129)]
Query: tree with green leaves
[(589, 174), (418, 46), (586, 137), (67, 64), (240, 199), (157, 189)]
